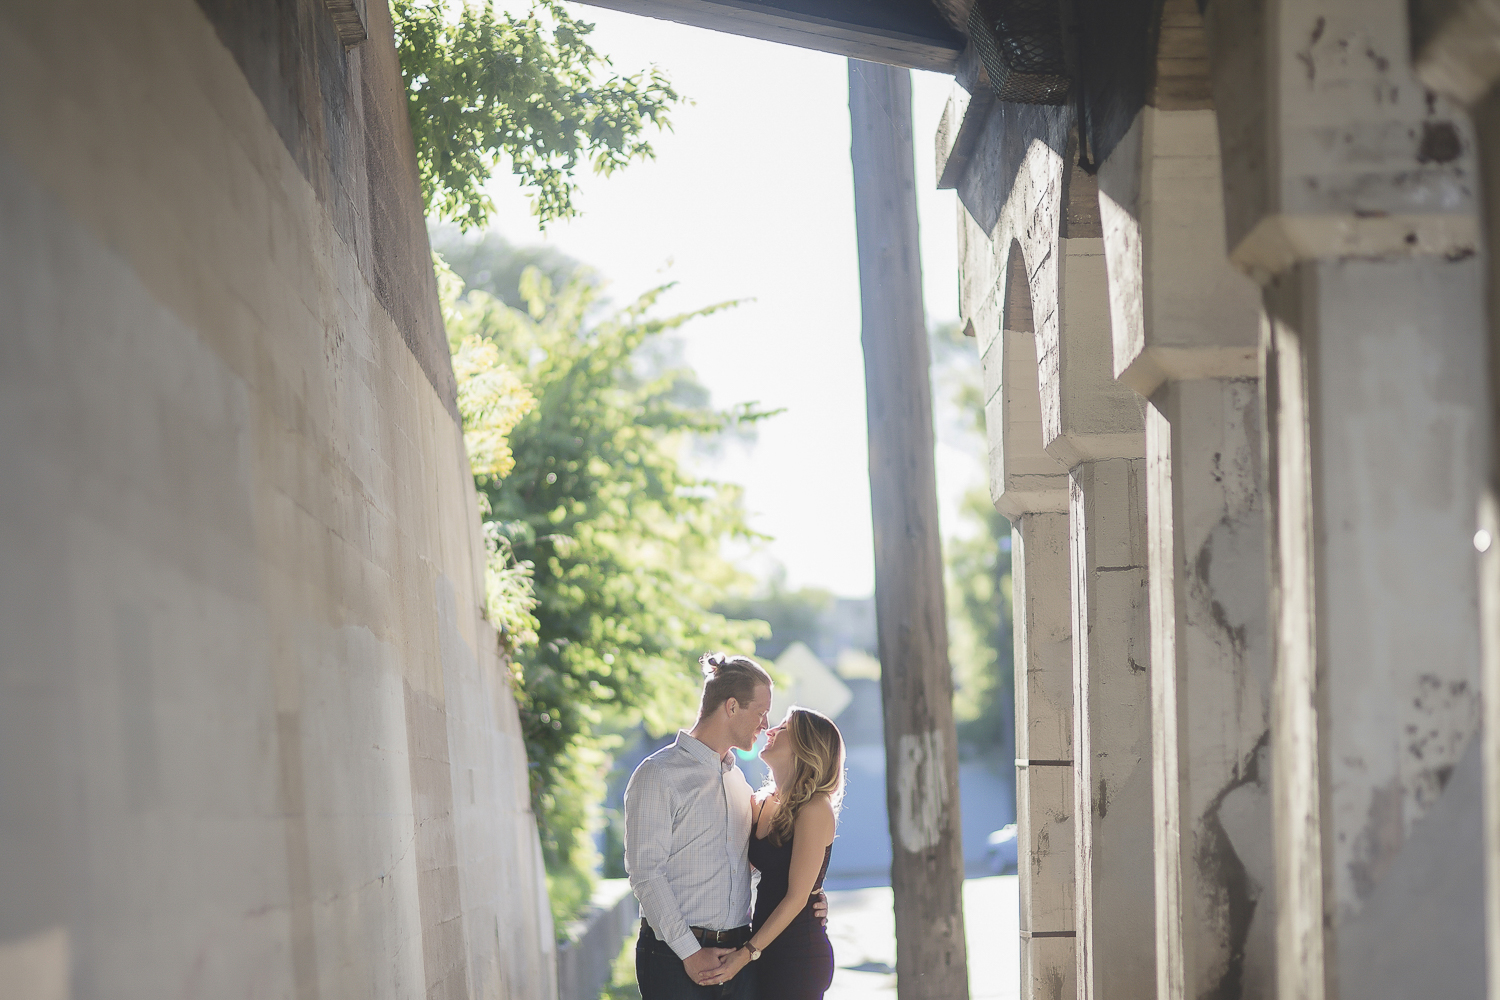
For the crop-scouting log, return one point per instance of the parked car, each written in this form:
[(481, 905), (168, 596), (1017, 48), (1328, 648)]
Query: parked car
[(1003, 851)]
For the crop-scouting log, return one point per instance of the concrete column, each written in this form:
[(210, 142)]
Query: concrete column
[(1185, 329), (1097, 432), (1030, 488), (1351, 196), (1457, 49), (1044, 754), (1210, 690), (1112, 729), (1377, 455), (1044, 236)]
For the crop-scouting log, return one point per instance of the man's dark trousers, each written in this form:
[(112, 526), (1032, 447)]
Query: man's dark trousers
[(660, 974)]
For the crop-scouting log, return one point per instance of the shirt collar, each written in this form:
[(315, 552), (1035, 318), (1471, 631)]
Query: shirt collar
[(702, 752)]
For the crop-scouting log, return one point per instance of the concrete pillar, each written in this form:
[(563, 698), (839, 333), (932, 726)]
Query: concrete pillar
[(1112, 729), (1185, 329), (1351, 197), (1043, 233), (1210, 690), (1457, 48), (1096, 430), (1030, 488), (1044, 754), (1377, 453)]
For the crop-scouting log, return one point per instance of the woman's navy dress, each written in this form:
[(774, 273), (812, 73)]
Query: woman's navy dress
[(798, 965)]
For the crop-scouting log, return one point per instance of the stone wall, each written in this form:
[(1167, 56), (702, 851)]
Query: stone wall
[(255, 737)]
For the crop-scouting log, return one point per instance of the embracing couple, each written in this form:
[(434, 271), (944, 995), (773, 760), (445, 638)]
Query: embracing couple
[(693, 829)]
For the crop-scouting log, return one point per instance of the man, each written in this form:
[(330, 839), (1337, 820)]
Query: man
[(687, 836)]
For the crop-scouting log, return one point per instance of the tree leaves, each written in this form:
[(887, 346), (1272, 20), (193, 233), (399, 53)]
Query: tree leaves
[(976, 560), (527, 88), (491, 400)]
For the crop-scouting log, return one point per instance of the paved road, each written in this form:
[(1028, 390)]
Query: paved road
[(864, 941)]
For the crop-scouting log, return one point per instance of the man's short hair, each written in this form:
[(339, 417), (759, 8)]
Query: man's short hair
[(726, 677)]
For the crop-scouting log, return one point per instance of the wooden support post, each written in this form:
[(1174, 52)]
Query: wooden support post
[(917, 688)]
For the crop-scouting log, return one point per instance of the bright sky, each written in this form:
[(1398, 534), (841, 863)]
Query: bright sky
[(750, 197)]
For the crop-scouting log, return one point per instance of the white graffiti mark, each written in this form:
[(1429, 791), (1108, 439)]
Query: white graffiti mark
[(921, 792)]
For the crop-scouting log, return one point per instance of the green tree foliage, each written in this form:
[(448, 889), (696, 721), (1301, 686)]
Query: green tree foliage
[(491, 401), (487, 262), (979, 615), (621, 542), (976, 562), (529, 88)]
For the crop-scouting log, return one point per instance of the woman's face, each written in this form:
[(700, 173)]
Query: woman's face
[(778, 746)]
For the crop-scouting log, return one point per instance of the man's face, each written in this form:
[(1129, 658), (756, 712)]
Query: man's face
[(749, 721)]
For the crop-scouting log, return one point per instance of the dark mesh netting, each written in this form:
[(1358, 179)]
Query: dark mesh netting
[(1020, 43)]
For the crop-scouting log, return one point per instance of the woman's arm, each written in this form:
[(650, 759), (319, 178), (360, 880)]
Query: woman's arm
[(810, 838)]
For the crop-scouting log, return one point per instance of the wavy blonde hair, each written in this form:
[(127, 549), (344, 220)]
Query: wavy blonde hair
[(817, 766)]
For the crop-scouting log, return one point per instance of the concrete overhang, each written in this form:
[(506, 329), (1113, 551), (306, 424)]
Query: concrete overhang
[(911, 33)]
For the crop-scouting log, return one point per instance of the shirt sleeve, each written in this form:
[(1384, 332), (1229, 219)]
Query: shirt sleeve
[(648, 841)]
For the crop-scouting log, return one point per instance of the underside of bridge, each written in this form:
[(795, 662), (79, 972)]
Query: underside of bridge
[(1225, 265)]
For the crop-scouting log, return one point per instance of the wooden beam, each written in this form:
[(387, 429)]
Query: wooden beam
[(916, 684), (909, 33)]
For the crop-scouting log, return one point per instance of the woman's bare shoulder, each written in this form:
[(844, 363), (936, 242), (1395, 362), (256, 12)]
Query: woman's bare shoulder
[(816, 816)]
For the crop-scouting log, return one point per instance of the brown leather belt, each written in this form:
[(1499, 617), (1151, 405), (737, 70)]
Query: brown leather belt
[(732, 938)]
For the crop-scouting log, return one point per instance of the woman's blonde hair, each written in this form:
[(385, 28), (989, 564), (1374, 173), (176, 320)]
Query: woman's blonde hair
[(817, 766)]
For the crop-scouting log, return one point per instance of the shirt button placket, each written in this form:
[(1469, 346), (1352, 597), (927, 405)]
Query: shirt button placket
[(728, 849), (724, 795)]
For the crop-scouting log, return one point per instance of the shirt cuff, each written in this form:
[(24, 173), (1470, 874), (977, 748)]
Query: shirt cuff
[(685, 946)]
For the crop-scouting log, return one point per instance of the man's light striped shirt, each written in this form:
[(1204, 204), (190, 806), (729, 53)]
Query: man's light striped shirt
[(687, 841)]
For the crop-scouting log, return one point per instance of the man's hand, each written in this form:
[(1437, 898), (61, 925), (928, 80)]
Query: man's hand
[(702, 964), (735, 961), (820, 906)]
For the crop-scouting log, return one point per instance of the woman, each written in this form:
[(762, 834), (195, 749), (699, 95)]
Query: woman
[(791, 841)]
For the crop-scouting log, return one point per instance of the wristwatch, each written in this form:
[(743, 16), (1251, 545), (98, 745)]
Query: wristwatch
[(754, 951)]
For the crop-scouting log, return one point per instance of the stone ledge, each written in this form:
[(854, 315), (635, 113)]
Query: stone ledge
[(586, 958)]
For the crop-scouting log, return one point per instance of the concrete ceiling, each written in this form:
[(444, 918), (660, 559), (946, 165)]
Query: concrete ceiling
[(914, 33)]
